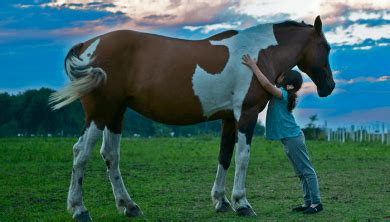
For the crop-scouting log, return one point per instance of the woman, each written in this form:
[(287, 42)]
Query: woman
[(281, 125)]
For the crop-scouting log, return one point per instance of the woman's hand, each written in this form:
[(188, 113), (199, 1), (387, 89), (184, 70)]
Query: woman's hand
[(247, 60)]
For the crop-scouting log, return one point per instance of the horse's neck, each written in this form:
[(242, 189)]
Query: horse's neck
[(280, 58)]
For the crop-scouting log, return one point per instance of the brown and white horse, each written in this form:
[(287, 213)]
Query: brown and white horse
[(176, 81)]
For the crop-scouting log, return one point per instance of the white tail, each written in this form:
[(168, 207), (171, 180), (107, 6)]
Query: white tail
[(84, 78)]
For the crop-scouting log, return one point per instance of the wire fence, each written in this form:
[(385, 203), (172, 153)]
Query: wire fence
[(377, 132)]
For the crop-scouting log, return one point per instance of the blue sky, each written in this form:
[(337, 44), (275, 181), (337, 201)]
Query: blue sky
[(35, 35)]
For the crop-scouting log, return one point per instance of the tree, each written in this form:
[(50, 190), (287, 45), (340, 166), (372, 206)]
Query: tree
[(313, 119), (28, 113), (312, 131)]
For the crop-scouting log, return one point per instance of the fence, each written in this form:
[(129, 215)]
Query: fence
[(371, 133)]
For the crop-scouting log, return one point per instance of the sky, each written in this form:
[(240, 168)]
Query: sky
[(35, 36)]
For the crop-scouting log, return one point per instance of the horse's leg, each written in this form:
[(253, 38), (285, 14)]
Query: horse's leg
[(228, 138), (110, 151), (81, 153), (246, 126)]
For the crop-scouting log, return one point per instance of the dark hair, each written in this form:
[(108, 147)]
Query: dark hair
[(294, 78)]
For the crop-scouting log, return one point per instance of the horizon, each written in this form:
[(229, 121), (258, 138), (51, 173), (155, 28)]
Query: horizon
[(35, 36)]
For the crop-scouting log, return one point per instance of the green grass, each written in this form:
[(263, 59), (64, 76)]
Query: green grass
[(171, 179)]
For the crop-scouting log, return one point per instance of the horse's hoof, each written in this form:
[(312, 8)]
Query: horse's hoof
[(82, 217), (133, 212), (246, 212), (223, 207)]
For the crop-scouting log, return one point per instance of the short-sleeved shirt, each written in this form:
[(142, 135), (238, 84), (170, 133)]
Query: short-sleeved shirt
[(280, 122)]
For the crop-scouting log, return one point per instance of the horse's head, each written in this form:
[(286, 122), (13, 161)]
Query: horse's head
[(315, 61)]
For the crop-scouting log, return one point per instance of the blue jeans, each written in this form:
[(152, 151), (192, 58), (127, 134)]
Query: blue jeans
[(296, 152)]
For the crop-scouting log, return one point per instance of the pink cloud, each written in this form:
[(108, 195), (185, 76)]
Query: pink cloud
[(307, 88), (363, 116), (363, 79), (154, 13)]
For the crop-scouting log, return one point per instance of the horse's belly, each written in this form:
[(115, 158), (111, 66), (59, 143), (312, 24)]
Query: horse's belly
[(168, 102)]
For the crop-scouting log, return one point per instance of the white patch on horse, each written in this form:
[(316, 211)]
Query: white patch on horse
[(83, 60), (110, 151), (227, 90), (87, 54), (218, 191), (242, 160), (81, 153)]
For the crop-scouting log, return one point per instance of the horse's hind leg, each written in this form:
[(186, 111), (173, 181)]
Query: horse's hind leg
[(110, 152), (81, 153), (228, 138)]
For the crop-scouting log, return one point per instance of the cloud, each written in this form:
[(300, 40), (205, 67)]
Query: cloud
[(363, 79), (362, 116), (357, 34), (344, 20), (206, 29), (151, 12), (367, 47), (362, 15), (307, 88), (338, 12), (264, 10), (311, 88)]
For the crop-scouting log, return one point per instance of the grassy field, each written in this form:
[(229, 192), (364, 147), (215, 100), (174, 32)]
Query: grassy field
[(171, 179)]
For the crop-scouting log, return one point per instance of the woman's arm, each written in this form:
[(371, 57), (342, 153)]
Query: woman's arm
[(267, 85)]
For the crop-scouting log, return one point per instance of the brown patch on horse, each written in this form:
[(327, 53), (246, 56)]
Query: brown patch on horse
[(212, 64), (215, 64), (228, 139)]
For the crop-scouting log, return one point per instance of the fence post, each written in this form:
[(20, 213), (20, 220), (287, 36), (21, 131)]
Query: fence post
[(328, 131), (383, 134), (343, 135), (338, 135), (388, 135)]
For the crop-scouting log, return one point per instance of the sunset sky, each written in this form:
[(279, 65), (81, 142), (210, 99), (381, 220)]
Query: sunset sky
[(35, 36)]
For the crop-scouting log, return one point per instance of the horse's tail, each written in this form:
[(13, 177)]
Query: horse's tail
[(84, 78)]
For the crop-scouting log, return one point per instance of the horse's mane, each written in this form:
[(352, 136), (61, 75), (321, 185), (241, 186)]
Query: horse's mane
[(287, 23), (294, 23)]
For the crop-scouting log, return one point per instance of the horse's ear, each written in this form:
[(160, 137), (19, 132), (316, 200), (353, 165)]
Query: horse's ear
[(318, 25)]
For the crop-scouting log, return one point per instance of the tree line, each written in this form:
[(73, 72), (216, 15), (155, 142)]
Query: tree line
[(28, 114)]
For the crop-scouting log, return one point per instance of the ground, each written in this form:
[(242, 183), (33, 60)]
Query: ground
[(171, 179)]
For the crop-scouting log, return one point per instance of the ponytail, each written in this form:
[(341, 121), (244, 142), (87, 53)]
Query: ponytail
[(293, 78), (291, 99)]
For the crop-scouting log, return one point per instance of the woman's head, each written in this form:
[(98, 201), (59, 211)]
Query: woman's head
[(291, 81)]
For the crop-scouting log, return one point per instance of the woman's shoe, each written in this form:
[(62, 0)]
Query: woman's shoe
[(300, 208), (314, 210)]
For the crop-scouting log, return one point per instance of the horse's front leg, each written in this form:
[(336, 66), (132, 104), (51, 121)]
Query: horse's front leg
[(244, 137), (228, 138)]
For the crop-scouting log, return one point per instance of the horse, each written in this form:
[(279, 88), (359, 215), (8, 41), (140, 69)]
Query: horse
[(181, 82)]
